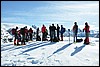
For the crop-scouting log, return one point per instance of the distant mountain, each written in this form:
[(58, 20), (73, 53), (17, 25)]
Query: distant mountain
[(34, 26), (93, 33), (97, 35), (7, 27)]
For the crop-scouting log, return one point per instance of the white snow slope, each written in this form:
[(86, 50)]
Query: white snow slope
[(38, 53)]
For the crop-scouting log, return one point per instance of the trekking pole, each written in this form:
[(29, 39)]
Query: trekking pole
[(69, 35)]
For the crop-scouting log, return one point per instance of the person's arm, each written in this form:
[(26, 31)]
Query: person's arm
[(84, 29)]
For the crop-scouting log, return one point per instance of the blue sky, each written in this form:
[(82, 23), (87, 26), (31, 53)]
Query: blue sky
[(48, 12)]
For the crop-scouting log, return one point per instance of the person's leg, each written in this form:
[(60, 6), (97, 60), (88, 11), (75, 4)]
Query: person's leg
[(85, 41), (61, 37), (54, 34), (58, 36), (51, 36), (15, 39), (24, 39), (31, 37), (74, 36), (43, 37), (87, 36)]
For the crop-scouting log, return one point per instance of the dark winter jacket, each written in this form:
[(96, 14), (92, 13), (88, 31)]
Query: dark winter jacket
[(75, 28), (62, 30), (58, 29), (22, 31), (53, 28)]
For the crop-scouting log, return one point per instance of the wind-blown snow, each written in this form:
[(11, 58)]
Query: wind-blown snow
[(63, 53)]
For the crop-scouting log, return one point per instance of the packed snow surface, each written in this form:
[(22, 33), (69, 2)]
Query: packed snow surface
[(46, 53)]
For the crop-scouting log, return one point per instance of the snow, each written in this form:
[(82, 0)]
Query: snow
[(45, 53), (7, 26)]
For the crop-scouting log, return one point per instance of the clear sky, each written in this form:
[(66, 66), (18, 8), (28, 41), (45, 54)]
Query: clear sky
[(48, 12)]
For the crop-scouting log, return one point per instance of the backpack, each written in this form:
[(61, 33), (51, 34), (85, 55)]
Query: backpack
[(63, 30), (55, 39), (22, 31), (13, 31), (79, 40)]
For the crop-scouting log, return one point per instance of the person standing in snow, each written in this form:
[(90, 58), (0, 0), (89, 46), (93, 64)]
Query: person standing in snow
[(53, 28), (19, 36), (62, 32), (58, 28), (26, 34), (37, 35), (22, 31), (46, 33), (50, 31), (86, 41), (15, 32), (30, 34), (43, 32), (75, 31)]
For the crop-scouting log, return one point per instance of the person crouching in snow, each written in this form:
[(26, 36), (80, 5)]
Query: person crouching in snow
[(87, 32)]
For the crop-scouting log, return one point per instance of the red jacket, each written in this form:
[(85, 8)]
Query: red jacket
[(26, 30), (30, 31), (43, 29), (87, 29)]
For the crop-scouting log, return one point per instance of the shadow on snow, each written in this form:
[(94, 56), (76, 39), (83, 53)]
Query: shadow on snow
[(37, 47), (77, 49), (60, 49), (18, 47), (28, 46)]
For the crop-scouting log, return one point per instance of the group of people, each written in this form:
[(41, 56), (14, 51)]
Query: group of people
[(86, 29), (53, 32), (22, 35)]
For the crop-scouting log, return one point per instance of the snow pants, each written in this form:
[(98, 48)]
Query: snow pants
[(86, 41)]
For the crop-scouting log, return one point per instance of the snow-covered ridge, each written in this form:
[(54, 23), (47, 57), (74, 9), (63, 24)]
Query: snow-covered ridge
[(6, 26)]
